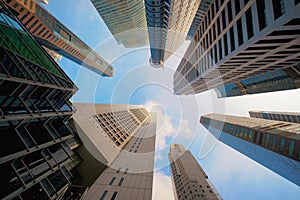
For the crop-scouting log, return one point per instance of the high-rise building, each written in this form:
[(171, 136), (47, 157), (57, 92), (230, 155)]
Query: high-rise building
[(57, 57), (293, 117), (126, 20), (277, 80), (237, 40), (168, 25), (55, 36), (273, 144), (122, 137), (105, 129), (200, 14), (37, 141), (188, 178), (42, 1)]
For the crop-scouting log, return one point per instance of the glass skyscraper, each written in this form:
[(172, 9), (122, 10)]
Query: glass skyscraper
[(55, 36), (37, 141), (277, 80), (168, 23), (293, 117), (272, 143), (126, 20)]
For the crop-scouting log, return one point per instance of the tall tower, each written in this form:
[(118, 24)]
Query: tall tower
[(123, 137), (55, 36), (273, 144), (239, 40), (168, 25), (279, 116), (37, 141), (276, 80), (200, 14), (126, 20), (188, 178)]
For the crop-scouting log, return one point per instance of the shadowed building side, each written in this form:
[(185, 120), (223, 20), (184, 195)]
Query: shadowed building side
[(130, 176), (38, 144)]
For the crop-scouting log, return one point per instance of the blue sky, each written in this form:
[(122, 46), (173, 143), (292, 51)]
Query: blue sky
[(135, 82)]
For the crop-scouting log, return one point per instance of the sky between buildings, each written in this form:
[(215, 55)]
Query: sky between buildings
[(136, 82)]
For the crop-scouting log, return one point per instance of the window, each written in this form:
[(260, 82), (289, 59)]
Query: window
[(250, 133), (278, 8), (249, 23), (114, 196), (15, 5), (274, 141), (103, 195), (237, 6), (119, 170), (260, 138), (240, 31), (121, 181), (282, 143), (31, 4), (267, 139), (291, 147), (112, 180)]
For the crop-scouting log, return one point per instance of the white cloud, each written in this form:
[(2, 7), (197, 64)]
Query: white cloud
[(158, 156), (185, 129), (162, 187), (165, 127)]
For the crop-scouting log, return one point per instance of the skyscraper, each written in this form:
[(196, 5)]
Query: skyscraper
[(273, 144), (237, 40), (105, 129), (122, 137), (37, 141), (55, 36), (277, 80), (168, 24), (188, 178), (279, 116), (126, 20), (200, 14)]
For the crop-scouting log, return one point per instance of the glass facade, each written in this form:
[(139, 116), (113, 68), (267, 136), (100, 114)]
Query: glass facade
[(269, 145), (268, 82), (293, 117), (55, 36), (35, 112)]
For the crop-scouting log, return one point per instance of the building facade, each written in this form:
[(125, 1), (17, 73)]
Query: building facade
[(37, 140), (105, 129), (273, 144), (55, 36), (200, 14), (188, 178), (237, 40), (126, 20), (277, 80), (122, 137), (168, 22), (293, 117)]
